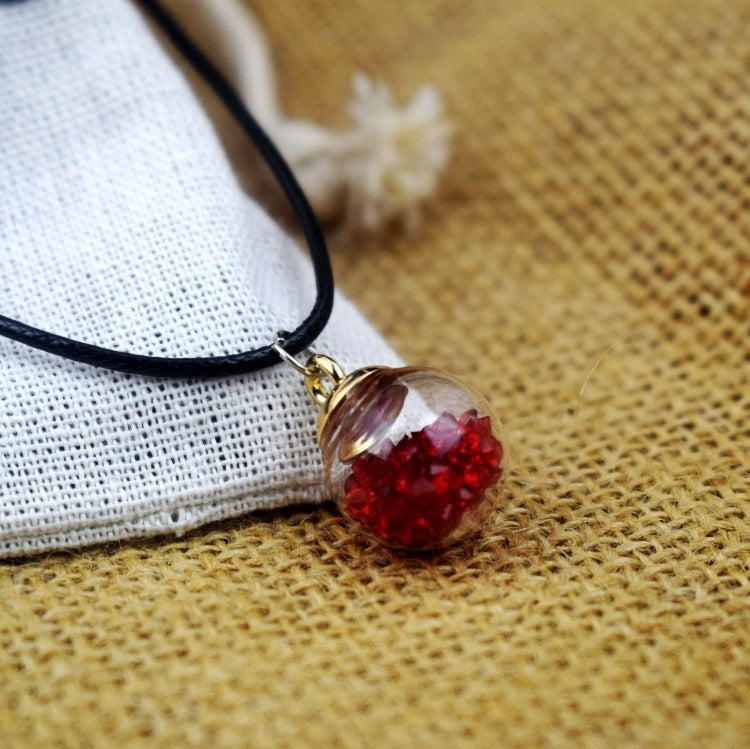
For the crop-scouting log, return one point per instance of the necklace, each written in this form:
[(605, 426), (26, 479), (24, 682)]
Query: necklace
[(412, 456)]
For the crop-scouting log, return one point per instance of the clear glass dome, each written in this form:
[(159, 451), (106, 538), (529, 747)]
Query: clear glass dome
[(412, 456)]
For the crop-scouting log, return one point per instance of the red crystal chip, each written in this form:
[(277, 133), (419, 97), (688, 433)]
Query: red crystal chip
[(415, 493)]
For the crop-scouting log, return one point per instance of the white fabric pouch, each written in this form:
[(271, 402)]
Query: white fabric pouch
[(122, 224)]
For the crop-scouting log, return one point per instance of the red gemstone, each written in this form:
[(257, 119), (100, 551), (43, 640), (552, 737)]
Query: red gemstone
[(414, 493)]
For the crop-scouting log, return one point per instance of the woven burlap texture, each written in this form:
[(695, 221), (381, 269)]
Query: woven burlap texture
[(587, 266)]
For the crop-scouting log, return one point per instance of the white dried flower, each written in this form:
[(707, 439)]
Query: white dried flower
[(380, 171)]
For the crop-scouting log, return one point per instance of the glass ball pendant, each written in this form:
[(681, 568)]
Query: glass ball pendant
[(411, 455)]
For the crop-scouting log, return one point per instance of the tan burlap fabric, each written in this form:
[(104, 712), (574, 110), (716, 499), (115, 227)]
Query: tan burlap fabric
[(587, 265)]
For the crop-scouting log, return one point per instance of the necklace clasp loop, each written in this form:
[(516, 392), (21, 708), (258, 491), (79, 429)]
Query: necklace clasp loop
[(322, 374), (279, 346)]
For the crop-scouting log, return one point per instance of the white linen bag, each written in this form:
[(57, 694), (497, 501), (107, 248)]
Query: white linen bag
[(122, 224)]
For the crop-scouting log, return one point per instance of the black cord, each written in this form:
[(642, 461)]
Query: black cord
[(217, 366)]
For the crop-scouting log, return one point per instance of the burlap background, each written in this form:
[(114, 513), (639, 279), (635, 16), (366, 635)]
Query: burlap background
[(587, 265)]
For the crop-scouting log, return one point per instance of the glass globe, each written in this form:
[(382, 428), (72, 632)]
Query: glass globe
[(411, 455)]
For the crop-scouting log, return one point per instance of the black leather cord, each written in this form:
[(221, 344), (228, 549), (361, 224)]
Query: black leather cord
[(217, 366)]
